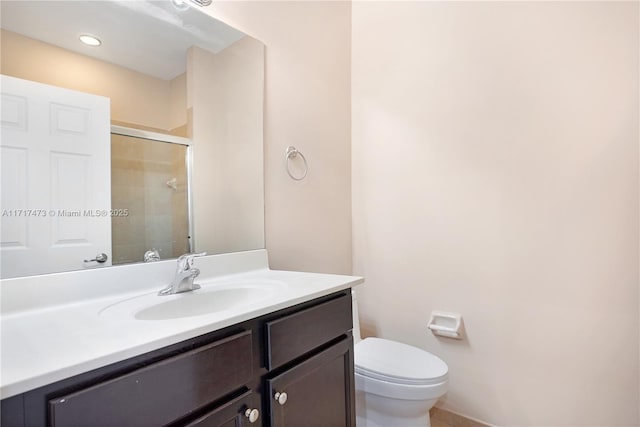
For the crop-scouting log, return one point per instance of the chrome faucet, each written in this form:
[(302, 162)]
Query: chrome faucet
[(184, 277)]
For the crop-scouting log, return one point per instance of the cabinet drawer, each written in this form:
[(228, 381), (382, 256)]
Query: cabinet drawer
[(299, 333), (162, 392)]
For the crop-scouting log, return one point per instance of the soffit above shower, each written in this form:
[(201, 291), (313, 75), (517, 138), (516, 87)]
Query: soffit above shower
[(151, 37)]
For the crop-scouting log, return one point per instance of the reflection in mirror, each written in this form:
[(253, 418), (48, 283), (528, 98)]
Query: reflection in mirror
[(159, 69), (149, 176)]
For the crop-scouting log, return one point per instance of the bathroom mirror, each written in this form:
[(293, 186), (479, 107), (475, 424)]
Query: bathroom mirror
[(162, 110)]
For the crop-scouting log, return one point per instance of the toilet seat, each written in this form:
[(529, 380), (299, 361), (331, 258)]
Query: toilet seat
[(398, 363)]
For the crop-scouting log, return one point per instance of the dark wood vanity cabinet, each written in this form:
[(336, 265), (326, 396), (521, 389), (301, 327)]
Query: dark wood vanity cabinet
[(293, 367), (315, 390)]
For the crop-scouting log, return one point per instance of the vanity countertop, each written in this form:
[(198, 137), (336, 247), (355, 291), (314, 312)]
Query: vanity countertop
[(44, 342)]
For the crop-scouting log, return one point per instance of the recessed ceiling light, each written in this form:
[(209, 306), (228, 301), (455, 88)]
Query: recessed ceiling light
[(90, 40)]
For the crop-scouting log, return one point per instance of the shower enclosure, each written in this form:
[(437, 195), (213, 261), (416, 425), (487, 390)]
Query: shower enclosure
[(149, 195)]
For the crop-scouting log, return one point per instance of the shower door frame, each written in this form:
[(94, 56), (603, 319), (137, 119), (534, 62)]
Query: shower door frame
[(171, 139)]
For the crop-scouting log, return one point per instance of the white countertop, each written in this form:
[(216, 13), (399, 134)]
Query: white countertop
[(46, 342)]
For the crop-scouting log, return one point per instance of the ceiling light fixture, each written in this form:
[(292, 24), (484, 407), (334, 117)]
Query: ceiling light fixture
[(90, 40)]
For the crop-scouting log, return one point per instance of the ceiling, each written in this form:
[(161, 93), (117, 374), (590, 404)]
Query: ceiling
[(151, 37)]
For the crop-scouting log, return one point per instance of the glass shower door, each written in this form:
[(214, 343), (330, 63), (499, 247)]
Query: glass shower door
[(149, 195)]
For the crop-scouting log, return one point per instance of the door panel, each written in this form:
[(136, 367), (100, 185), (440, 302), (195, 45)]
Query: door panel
[(14, 193), (56, 184)]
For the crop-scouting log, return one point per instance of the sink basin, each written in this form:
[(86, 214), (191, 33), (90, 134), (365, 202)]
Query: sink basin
[(209, 299)]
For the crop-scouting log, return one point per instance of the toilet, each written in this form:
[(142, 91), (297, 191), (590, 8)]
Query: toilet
[(396, 384)]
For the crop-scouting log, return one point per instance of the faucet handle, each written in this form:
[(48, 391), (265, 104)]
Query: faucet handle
[(185, 261), (191, 255)]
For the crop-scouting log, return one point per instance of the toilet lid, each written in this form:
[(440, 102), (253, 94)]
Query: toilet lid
[(398, 363)]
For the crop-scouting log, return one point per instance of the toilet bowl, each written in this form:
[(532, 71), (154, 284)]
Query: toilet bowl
[(396, 384)]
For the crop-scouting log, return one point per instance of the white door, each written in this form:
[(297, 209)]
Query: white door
[(55, 178)]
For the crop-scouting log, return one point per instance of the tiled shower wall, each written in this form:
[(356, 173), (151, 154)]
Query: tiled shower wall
[(157, 213)]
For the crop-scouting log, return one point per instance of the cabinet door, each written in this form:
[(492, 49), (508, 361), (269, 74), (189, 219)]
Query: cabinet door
[(243, 411), (318, 391)]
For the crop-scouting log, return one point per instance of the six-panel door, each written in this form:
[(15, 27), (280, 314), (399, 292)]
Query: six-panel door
[(56, 178)]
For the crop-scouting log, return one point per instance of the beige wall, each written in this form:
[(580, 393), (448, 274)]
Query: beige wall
[(307, 104), (136, 99), (178, 102), (225, 95), (495, 174)]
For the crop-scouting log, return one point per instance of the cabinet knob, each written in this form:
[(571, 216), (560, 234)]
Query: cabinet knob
[(252, 414), (281, 397)]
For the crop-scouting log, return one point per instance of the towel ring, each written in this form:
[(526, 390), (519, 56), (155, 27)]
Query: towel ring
[(292, 153)]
